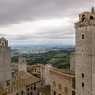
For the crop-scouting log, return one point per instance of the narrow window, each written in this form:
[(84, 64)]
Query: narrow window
[(31, 93), (22, 92), (17, 94), (82, 84), (65, 89), (60, 86), (73, 92), (54, 92), (82, 36), (91, 17), (34, 87), (27, 89), (82, 75)]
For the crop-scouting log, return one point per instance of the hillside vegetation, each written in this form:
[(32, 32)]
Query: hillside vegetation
[(57, 58)]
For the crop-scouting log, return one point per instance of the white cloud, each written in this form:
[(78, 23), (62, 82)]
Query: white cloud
[(39, 31)]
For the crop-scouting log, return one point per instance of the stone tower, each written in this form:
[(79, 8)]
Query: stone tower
[(85, 54), (22, 64), (5, 61)]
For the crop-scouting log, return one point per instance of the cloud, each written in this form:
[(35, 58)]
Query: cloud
[(40, 21), (16, 11)]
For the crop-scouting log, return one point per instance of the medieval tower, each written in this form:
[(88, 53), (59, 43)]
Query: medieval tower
[(85, 54), (22, 64), (5, 60)]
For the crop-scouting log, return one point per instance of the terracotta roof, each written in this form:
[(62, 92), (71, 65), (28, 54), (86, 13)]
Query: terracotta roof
[(62, 72), (28, 77)]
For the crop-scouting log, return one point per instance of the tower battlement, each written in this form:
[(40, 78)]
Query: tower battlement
[(86, 18), (3, 43)]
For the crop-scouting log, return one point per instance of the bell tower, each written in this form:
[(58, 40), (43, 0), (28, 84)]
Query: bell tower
[(85, 54)]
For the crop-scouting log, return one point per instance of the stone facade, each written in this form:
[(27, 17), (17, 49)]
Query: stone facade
[(23, 84), (85, 54), (61, 82)]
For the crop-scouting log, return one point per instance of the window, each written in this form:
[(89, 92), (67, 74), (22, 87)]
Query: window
[(54, 93), (27, 89), (73, 92), (73, 83), (60, 86), (31, 93), (91, 17), (82, 36), (7, 82), (82, 75), (34, 87), (82, 84), (65, 89), (17, 94), (31, 88), (22, 92), (54, 84)]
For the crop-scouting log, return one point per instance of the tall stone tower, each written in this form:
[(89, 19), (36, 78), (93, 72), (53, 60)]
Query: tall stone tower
[(5, 60), (22, 64), (85, 54)]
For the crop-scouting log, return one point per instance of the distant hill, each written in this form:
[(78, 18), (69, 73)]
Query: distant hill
[(58, 57), (39, 49)]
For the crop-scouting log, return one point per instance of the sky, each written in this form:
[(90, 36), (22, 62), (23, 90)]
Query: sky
[(40, 22)]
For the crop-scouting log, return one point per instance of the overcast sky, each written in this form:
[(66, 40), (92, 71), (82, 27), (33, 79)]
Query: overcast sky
[(27, 22)]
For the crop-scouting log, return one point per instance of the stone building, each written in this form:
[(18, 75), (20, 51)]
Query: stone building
[(85, 54), (36, 69), (23, 84), (62, 82)]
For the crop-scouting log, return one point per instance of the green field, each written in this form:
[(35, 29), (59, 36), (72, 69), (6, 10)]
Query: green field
[(57, 58)]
